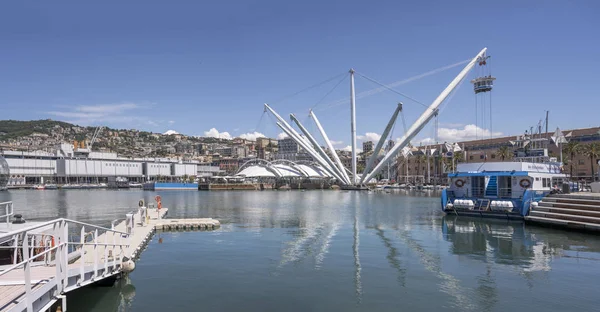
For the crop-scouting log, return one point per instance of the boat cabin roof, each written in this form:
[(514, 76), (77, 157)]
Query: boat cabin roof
[(488, 173)]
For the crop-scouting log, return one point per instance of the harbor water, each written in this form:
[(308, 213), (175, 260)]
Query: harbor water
[(330, 251)]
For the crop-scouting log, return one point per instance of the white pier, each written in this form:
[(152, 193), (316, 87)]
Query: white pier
[(52, 258)]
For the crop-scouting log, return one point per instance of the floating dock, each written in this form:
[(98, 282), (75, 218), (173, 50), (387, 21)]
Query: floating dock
[(49, 261)]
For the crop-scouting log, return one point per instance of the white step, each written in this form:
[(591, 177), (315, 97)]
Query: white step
[(562, 200), (568, 205), (568, 211), (576, 197), (564, 216), (567, 223)]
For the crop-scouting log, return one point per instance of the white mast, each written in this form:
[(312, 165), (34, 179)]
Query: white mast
[(428, 166), (309, 150), (381, 142), (317, 147), (330, 146), (353, 126), (301, 141), (426, 116)]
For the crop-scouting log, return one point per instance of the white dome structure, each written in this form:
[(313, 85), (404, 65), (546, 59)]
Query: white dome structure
[(259, 168)]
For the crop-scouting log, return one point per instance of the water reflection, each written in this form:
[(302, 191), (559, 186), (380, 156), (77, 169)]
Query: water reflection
[(499, 242), (118, 298), (392, 256), (432, 263), (355, 246)]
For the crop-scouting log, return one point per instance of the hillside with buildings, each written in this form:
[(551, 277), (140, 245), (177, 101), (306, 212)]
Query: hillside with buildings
[(54, 140), (44, 135)]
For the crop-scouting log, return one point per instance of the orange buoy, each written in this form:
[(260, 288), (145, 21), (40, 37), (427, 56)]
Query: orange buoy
[(158, 201)]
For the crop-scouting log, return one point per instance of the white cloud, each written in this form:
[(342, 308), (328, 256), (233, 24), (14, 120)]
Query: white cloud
[(336, 142), (171, 122), (424, 141), (104, 113), (451, 125), (369, 136), (214, 133), (252, 136), (349, 149), (468, 132), (107, 108), (282, 136), (169, 132)]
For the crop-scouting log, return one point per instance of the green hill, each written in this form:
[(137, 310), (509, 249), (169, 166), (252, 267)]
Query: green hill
[(11, 129)]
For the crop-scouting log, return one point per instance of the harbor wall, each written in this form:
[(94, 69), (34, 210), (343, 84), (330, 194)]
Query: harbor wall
[(156, 186)]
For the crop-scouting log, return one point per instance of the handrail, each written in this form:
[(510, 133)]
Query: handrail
[(16, 266), (8, 214), (52, 222)]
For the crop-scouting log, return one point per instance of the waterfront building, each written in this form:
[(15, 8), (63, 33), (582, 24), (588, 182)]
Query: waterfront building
[(69, 165), (288, 149), (367, 147), (414, 167)]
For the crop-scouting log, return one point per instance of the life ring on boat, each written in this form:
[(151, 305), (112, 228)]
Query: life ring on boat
[(459, 183), (41, 246), (141, 203), (525, 183)]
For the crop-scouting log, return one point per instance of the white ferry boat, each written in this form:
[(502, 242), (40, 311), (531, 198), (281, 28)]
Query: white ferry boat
[(500, 189)]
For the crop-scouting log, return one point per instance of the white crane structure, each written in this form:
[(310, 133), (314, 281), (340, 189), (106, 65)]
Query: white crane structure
[(94, 137), (334, 166), (89, 144)]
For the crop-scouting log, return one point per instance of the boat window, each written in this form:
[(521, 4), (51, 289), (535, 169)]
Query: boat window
[(537, 179)]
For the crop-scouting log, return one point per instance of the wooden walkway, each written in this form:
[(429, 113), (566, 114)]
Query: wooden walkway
[(100, 258)]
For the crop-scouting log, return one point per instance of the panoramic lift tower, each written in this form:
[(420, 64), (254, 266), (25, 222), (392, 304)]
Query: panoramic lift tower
[(482, 86)]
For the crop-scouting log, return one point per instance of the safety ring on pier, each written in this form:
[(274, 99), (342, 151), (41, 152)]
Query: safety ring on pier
[(459, 183), (525, 183)]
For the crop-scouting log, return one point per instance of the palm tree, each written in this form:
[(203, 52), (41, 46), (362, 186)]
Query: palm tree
[(420, 159), (504, 153), (456, 158), (592, 151), (572, 148)]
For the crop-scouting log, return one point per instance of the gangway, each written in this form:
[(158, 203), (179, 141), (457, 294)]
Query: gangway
[(55, 257)]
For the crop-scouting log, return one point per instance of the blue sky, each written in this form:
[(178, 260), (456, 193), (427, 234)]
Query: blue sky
[(192, 66)]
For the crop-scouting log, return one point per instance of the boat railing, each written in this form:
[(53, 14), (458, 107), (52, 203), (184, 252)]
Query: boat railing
[(477, 192), (505, 192), (8, 211)]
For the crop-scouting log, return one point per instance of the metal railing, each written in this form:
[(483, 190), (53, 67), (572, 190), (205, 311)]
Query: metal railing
[(94, 254), (8, 211)]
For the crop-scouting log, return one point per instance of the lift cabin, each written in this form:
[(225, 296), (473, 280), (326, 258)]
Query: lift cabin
[(483, 84)]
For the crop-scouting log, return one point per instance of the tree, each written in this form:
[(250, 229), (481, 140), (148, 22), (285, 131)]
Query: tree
[(504, 153), (592, 151), (456, 158), (420, 159), (572, 148)]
